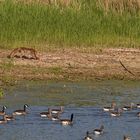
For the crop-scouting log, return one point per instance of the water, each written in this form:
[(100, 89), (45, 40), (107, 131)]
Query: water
[(84, 99)]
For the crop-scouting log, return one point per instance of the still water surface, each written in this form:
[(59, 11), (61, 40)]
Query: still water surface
[(84, 99)]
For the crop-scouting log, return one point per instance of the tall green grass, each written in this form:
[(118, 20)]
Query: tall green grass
[(87, 25)]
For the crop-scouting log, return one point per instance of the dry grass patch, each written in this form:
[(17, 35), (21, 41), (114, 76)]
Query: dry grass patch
[(119, 5)]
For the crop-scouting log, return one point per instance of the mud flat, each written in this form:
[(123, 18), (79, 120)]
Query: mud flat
[(73, 64)]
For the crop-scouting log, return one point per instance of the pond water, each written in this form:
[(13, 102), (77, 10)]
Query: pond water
[(84, 99)]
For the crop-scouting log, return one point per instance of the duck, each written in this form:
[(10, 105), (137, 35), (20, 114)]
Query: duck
[(4, 120), (110, 108), (87, 136), (128, 108), (99, 131), (116, 113), (2, 112), (67, 121), (21, 112), (10, 117), (126, 138), (60, 110)]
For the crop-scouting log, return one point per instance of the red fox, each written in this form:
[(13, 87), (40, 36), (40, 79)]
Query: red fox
[(26, 53)]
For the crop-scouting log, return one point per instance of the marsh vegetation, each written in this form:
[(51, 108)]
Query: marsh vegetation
[(69, 23)]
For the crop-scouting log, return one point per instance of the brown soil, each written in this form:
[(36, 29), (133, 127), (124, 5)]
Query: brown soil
[(73, 64)]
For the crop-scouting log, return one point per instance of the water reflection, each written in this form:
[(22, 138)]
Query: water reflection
[(96, 93)]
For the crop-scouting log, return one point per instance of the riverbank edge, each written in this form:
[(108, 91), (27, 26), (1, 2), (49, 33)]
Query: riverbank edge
[(72, 64)]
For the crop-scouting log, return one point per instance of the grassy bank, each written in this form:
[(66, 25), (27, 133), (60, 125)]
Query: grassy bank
[(84, 23)]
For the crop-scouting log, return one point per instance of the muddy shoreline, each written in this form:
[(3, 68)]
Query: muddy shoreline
[(73, 64)]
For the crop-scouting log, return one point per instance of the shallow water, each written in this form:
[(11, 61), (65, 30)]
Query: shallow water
[(84, 99)]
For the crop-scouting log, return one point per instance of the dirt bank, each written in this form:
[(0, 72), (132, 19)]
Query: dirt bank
[(73, 64)]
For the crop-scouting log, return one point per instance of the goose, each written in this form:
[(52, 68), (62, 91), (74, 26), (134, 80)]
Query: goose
[(110, 108), (2, 112), (138, 114), (21, 112), (49, 115), (4, 120), (60, 110), (99, 131), (116, 113), (126, 138), (10, 117), (138, 105), (67, 121), (46, 114), (87, 136), (55, 117), (128, 108)]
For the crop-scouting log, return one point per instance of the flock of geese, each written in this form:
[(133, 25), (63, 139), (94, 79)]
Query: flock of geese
[(114, 112), (54, 114)]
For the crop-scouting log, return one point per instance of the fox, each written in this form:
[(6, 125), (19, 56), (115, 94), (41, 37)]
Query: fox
[(23, 52)]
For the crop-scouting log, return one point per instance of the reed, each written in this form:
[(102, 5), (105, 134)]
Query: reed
[(69, 23)]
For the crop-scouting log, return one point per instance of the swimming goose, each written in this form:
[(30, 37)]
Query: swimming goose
[(67, 121), (55, 117), (88, 137), (110, 108), (128, 108), (3, 110), (10, 117), (46, 114), (4, 120), (49, 115), (60, 110), (21, 112), (99, 131), (116, 113), (138, 105), (126, 138)]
